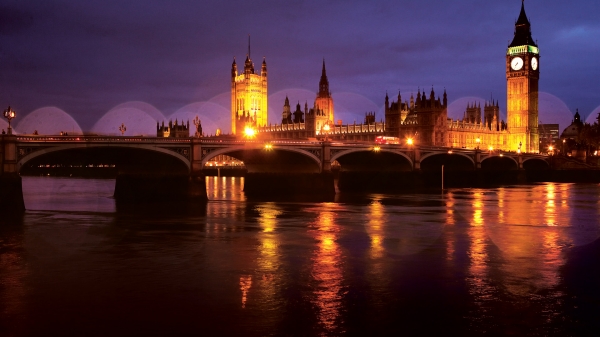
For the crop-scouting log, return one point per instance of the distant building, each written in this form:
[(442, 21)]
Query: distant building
[(572, 131), (173, 130)]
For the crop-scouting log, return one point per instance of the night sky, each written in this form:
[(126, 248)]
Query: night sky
[(92, 65)]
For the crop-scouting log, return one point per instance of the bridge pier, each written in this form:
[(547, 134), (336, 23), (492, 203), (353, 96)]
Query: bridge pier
[(278, 185), (11, 187), (131, 188)]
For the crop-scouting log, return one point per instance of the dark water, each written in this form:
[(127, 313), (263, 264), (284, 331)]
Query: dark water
[(519, 260)]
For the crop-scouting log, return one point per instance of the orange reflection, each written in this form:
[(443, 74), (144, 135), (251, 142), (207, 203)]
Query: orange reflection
[(326, 268), (530, 237), (550, 211), (450, 220), (245, 284), (478, 269), (225, 188), (268, 260), (375, 228)]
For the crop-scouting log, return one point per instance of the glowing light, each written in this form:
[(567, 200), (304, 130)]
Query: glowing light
[(491, 148), (449, 151), (249, 132), (268, 147), (376, 149), (409, 141)]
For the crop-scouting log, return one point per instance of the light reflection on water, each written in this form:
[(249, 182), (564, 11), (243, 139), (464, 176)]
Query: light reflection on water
[(364, 265)]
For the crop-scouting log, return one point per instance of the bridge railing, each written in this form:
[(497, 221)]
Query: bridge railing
[(116, 139)]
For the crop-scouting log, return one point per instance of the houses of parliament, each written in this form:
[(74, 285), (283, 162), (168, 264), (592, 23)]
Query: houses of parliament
[(423, 118)]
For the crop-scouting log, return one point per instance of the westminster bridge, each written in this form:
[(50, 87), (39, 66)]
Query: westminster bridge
[(151, 167)]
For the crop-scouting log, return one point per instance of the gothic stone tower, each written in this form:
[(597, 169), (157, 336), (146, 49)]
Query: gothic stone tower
[(324, 101), (522, 76), (248, 94)]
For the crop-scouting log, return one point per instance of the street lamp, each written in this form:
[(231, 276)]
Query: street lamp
[(198, 124), (325, 130), (9, 114), (409, 141), (122, 128), (477, 141), (249, 132)]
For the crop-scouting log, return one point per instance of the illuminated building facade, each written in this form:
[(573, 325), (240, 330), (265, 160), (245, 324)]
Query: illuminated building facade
[(425, 119), (173, 130), (248, 96)]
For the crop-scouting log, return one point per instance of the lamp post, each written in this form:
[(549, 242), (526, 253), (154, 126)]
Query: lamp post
[(122, 128), (197, 124), (477, 141), (9, 114), (325, 130)]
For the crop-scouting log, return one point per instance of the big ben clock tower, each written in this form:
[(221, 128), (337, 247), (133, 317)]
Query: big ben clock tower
[(522, 77)]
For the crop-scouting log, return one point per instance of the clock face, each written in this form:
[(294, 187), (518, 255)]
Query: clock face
[(516, 63), (534, 63)]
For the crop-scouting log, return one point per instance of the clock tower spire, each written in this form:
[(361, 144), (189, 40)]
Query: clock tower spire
[(522, 77)]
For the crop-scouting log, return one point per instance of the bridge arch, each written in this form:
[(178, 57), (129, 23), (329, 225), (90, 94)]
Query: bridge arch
[(258, 158), (534, 163), (43, 151), (434, 160), (499, 162), (365, 159), (341, 153)]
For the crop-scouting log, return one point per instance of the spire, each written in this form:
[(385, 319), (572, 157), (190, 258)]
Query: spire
[(323, 83), (263, 70), (522, 30), (445, 98), (387, 102), (249, 46), (287, 101), (522, 20)]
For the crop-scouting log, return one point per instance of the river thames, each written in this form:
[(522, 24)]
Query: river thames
[(514, 260)]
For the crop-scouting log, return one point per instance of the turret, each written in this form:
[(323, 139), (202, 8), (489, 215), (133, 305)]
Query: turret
[(445, 99), (263, 70), (323, 83), (233, 70), (387, 102)]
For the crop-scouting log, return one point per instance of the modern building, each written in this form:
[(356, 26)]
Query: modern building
[(549, 136)]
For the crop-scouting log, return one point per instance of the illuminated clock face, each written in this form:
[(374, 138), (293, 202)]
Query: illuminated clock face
[(534, 63), (516, 63)]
